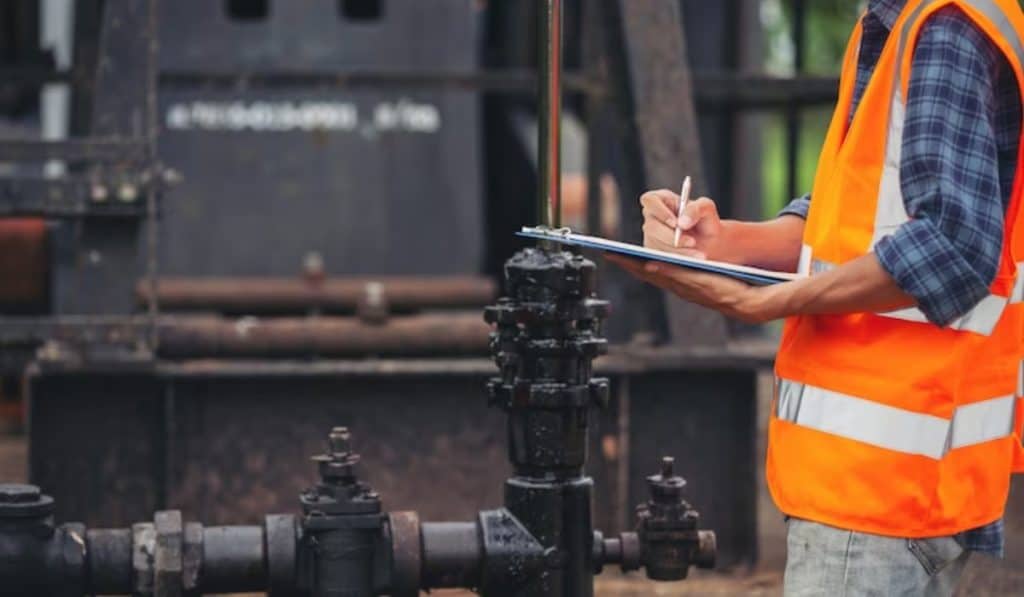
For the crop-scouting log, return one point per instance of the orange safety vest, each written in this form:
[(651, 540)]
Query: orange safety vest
[(883, 422)]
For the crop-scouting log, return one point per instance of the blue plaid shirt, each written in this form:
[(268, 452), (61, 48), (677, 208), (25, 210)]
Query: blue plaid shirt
[(959, 159)]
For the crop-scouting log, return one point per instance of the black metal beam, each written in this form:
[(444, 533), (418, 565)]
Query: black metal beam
[(736, 89), (84, 329), (67, 198), (499, 80), (95, 149), (763, 91)]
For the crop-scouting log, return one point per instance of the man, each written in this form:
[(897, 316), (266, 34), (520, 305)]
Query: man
[(893, 432)]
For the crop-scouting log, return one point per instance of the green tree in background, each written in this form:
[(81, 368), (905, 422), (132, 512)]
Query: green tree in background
[(828, 27)]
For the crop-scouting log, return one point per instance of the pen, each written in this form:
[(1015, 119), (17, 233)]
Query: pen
[(684, 198)]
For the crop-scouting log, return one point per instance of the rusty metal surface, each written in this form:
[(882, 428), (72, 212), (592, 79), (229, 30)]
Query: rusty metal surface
[(406, 552), (433, 334), (228, 449), (125, 331), (258, 295), (24, 263), (735, 356)]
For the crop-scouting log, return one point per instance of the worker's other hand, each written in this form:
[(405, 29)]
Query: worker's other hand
[(701, 227), (732, 298)]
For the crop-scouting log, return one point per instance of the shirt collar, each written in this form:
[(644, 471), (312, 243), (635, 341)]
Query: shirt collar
[(887, 11)]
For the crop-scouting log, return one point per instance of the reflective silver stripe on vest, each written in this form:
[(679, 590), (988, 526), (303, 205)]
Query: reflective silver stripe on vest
[(982, 421), (890, 210), (890, 427), (1020, 396), (1018, 286), (803, 267), (982, 319)]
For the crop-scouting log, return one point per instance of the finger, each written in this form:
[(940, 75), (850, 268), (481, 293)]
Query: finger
[(662, 205), (625, 262), (696, 211), (662, 241), (653, 214), (686, 241), (635, 267), (658, 236)]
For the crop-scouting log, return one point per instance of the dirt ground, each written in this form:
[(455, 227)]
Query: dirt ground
[(984, 577)]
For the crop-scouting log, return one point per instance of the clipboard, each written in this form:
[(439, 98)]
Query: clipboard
[(750, 275)]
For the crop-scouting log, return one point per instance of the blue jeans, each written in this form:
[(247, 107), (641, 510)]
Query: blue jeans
[(826, 561)]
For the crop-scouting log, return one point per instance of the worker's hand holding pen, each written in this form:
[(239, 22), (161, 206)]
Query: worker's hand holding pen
[(700, 229)]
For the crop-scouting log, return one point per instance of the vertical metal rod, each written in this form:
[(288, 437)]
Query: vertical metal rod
[(152, 129), (549, 113), (596, 111), (799, 32), (623, 509)]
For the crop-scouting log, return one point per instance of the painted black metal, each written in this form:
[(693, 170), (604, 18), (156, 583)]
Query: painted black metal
[(109, 557), (342, 525), (452, 554), (112, 149), (712, 87), (90, 275), (548, 334), (234, 559), (368, 187), (282, 539), (37, 558), (515, 561), (668, 529), (166, 558), (70, 197)]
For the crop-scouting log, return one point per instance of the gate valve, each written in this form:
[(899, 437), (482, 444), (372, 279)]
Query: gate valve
[(667, 525)]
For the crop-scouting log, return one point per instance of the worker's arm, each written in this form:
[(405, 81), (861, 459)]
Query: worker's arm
[(771, 245), (858, 286)]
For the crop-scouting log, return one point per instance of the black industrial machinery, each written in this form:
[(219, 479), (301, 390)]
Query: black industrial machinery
[(183, 349), (541, 543)]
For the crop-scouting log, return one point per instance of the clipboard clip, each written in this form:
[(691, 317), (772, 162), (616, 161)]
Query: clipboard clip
[(563, 231)]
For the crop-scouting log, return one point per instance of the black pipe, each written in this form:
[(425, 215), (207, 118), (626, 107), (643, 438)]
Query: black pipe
[(233, 560), (109, 560), (452, 554)]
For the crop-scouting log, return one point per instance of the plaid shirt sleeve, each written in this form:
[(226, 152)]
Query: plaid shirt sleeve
[(797, 207), (947, 255)]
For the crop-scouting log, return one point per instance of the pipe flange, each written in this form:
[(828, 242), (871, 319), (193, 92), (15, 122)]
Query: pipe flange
[(168, 579), (143, 552), (407, 553), (192, 557), (281, 537), (24, 501)]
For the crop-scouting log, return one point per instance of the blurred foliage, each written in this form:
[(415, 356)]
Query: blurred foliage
[(828, 27)]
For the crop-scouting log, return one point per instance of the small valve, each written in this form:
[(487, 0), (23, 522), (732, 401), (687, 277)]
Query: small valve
[(667, 525)]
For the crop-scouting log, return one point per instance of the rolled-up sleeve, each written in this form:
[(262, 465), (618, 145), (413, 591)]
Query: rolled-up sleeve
[(797, 207), (947, 255)]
